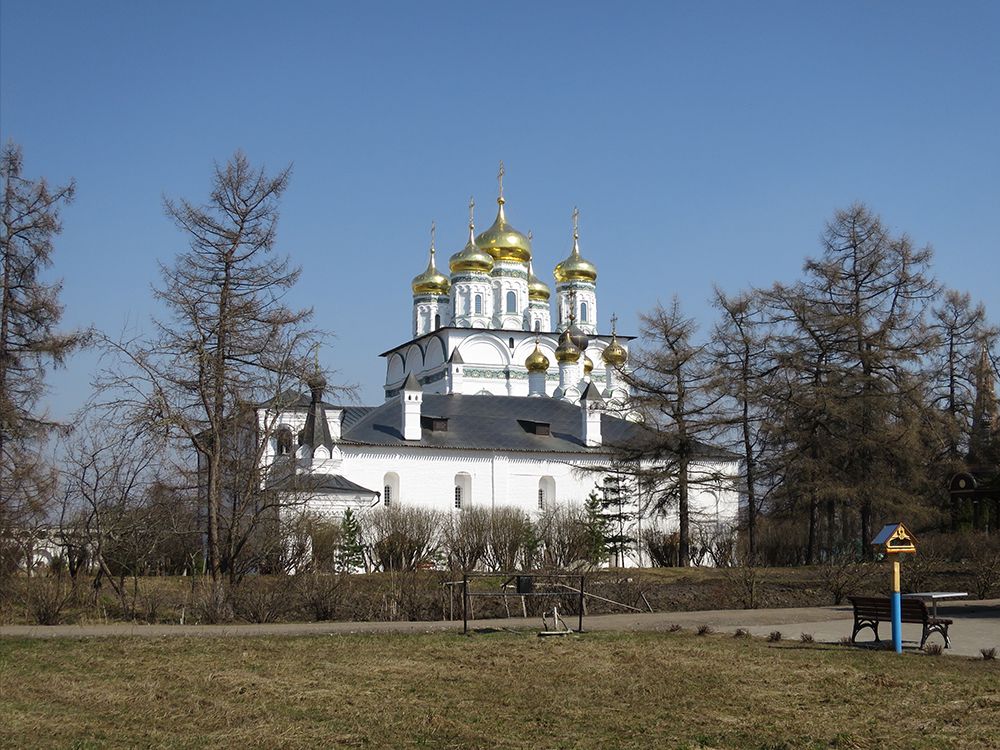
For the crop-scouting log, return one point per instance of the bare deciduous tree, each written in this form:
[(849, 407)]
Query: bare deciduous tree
[(672, 389), (29, 313), (230, 342)]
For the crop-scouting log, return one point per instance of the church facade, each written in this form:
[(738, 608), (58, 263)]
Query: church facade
[(503, 396)]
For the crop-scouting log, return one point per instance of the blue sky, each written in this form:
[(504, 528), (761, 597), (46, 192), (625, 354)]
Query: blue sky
[(704, 142)]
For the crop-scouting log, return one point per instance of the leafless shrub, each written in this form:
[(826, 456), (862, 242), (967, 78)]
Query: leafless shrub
[(774, 636), (564, 536), (262, 598), (663, 548), (741, 633), (745, 584), (806, 638), (675, 627), (989, 654), (411, 595), (509, 530), (933, 649), (705, 630), (47, 598), (321, 593), (919, 568), (210, 604), (717, 546), (326, 538), (983, 565), (845, 640), (402, 538), (466, 538), (845, 576)]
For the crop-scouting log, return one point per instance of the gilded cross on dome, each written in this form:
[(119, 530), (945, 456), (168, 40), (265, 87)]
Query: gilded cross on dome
[(576, 222), (433, 231), (614, 323), (472, 211), (500, 181)]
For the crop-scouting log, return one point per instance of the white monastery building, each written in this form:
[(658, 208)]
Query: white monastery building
[(503, 396)]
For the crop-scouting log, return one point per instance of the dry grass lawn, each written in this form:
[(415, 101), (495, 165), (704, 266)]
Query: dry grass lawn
[(489, 690)]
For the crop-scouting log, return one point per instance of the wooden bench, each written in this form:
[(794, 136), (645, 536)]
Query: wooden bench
[(869, 611)]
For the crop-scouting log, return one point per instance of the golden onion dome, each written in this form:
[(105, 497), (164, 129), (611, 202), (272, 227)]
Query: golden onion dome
[(580, 339), (471, 258), (588, 365), (614, 354), (504, 242), (431, 281), (537, 361), (537, 289), (575, 267), (567, 351)]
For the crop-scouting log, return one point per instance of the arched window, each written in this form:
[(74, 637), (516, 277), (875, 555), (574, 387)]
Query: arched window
[(583, 312), (284, 440), (538, 326), (390, 489), (546, 492), (479, 304), (437, 321), (463, 490), (511, 302)]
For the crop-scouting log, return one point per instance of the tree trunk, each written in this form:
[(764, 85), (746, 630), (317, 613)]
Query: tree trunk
[(684, 535)]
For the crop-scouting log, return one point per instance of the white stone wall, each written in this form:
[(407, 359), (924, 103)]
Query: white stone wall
[(427, 479), (510, 277), (463, 296), (487, 357), (586, 294), (427, 311)]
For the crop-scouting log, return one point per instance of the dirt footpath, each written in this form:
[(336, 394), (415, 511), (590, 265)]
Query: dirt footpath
[(976, 625)]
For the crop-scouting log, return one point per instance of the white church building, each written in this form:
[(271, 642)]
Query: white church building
[(502, 397)]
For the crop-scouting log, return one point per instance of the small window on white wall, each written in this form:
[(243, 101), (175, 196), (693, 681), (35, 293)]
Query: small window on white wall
[(583, 312), (390, 488), (463, 490), (479, 304), (511, 302), (546, 492)]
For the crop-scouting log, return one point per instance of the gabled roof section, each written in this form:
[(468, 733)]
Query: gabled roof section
[(293, 399), (325, 483), (411, 383), (592, 394)]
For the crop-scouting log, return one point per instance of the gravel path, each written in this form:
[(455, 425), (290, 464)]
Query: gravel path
[(976, 626)]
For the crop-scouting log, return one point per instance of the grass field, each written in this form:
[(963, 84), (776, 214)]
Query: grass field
[(489, 690)]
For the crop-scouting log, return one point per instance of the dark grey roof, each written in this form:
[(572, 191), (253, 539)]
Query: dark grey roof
[(319, 483), (456, 358), (592, 394), (497, 423), (411, 383), (293, 399), (354, 414), (316, 431)]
